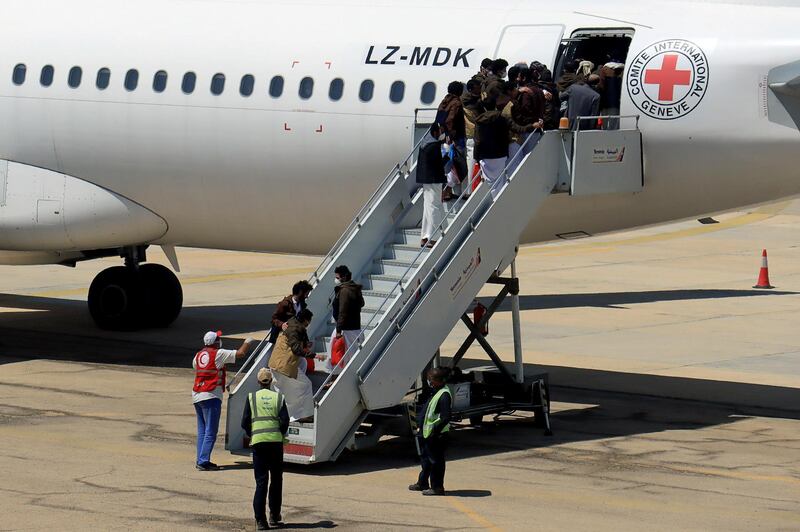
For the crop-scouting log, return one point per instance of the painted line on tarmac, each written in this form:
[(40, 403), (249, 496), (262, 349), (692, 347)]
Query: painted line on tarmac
[(759, 215), (190, 280), (473, 515)]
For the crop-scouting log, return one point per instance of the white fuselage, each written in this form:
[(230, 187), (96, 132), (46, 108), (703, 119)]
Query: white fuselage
[(288, 173)]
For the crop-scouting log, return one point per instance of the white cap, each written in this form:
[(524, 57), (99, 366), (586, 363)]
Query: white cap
[(211, 337)]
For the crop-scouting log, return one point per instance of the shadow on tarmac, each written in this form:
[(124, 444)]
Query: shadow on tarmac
[(581, 415), (69, 333), (308, 526), (617, 300), (633, 404)]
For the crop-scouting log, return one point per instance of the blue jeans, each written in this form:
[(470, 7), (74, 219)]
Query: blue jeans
[(208, 413)]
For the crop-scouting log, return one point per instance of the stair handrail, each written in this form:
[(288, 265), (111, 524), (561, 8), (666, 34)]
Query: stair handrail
[(250, 359), (444, 256), (363, 213), (356, 346)]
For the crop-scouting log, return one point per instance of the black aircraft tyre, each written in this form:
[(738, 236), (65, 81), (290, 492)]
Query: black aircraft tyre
[(163, 295), (115, 299)]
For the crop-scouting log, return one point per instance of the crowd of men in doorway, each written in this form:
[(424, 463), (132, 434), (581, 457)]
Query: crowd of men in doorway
[(486, 126)]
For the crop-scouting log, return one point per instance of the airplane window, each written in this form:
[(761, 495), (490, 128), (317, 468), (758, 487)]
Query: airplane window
[(246, 87), (306, 88), (74, 77), (189, 81), (217, 84), (428, 94), (103, 78), (276, 87), (397, 91), (336, 90), (19, 74), (46, 79), (132, 79), (366, 90), (160, 81)]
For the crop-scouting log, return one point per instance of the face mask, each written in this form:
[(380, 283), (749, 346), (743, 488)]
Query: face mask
[(337, 281)]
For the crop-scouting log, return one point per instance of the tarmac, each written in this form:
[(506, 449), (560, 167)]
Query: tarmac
[(675, 388)]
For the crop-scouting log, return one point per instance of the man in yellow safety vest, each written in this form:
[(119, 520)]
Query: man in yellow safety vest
[(434, 424), (265, 421)]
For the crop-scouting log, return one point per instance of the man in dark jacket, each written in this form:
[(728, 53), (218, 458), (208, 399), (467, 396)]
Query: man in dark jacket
[(486, 66), (471, 103), (492, 138), (451, 115), (527, 109), (434, 425), (568, 76), (347, 304), (431, 175), (493, 86), (582, 100), (288, 308), (552, 102)]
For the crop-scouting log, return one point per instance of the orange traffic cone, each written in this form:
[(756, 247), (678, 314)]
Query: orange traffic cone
[(763, 274)]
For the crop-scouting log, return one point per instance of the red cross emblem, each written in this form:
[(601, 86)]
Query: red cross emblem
[(668, 77)]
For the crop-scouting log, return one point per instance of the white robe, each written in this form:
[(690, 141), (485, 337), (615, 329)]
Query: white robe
[(432, 210), (298, 393), (492, 170)]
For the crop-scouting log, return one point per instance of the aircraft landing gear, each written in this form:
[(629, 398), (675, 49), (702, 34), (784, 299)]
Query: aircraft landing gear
[(134, 296)]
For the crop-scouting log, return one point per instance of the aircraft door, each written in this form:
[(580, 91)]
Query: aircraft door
[(528, 43)]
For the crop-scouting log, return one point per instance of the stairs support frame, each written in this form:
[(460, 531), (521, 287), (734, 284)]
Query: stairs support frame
[(510, 287)]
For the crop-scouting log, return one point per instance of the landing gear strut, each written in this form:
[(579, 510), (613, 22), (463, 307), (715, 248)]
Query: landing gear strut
[(135, 296)]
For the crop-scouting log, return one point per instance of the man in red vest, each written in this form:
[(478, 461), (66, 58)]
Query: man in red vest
[(209, 382)]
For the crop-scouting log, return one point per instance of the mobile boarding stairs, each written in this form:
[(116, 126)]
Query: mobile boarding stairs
[(414, 296)]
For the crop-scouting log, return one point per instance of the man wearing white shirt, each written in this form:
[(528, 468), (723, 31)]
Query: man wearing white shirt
[(209, 365)]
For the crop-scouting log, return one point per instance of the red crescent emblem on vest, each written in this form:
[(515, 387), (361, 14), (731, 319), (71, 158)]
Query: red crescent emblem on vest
[(203, 362)]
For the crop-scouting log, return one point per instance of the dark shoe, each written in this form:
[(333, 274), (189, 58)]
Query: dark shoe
[(430, 243), (261, 525), (275, 520), (434, 491), (416, 487), (424, 241), (208, 466)]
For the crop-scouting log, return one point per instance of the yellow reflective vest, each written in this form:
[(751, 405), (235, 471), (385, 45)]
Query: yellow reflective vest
[(265, 405), (431, 417)]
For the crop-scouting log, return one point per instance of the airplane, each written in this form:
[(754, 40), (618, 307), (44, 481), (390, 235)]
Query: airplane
[(264, 125)]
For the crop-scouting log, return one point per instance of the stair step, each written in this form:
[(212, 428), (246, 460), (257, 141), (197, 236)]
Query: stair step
[(382, 283), (393, 267), (407, 252), (376, 298), (411, 235)]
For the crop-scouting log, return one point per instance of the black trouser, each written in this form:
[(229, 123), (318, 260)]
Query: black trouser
[(433, 462), (268, 462)]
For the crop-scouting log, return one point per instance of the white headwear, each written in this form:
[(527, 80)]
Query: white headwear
[(585, 68), (211, 337)]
